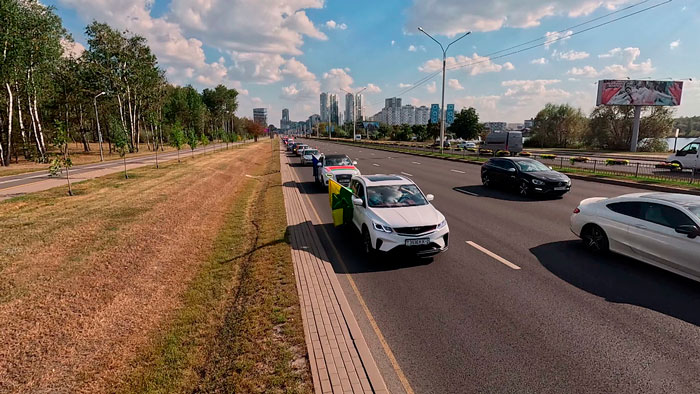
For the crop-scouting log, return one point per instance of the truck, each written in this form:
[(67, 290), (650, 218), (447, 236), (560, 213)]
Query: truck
[(511, 141)]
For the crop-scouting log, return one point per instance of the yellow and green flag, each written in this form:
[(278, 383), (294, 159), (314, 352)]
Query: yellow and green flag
[(340, 198)]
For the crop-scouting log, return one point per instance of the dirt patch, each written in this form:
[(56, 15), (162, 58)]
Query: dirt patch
[(86, 283)]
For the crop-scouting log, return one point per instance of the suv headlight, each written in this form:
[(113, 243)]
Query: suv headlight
[(329, 175), (442, 224), (382, 228), (537, 182)]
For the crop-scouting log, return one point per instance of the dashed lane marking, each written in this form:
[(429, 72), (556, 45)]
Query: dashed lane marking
[(458, 171), (407, 174), (375, 164), (494, 255), (415, 162), (466, 192)]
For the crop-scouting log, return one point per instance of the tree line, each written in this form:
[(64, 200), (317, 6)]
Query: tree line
[(112, 91)]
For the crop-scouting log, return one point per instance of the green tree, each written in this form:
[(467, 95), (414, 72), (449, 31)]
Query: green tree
[(433, 130), (204, 141), (559, 126), (420, 131), (611, 126), (121, 143), (192, 140), (466, 124), (177, 138), (62, 158)]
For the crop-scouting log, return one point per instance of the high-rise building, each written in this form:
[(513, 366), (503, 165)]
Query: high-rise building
[(393, 111), (422, 115), (284, 122), (408, 114), (349, 108), (333, 108), (260, 116), (392, 102), (324, 107), (358, 103)]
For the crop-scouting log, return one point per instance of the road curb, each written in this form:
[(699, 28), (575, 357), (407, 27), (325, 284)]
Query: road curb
[(589, 178)]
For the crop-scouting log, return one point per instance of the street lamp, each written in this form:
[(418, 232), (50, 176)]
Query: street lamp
[(99, 132), (442, 106), (354, 110)]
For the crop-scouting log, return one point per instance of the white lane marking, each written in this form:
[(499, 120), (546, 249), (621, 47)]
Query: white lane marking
[(375, 164), (407, 174), (466, 192), (415, 162), (494, 255), (458, 171)]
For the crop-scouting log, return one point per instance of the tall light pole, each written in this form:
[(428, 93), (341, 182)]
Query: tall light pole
[(99, 132), (354, 110), (442, 105)]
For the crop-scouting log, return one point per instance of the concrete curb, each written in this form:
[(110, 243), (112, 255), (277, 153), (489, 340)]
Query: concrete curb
[(589, 178)]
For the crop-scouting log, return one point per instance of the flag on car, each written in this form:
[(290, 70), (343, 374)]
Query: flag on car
[(340, 198)]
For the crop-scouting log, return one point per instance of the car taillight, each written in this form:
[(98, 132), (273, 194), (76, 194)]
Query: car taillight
[(577, 210)]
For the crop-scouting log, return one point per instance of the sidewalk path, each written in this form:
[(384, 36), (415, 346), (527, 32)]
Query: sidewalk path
[(21, 184), (340, 359)]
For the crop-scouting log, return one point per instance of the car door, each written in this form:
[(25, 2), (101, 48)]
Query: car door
[(688, 156), (359, 211), (509, 173), (496, 171), (653, 238)]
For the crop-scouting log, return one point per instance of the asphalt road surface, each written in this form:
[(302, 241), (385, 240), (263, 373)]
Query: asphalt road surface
[(564, 322)]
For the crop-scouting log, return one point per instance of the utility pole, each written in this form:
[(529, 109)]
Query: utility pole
[(442, 105), (99, 132)]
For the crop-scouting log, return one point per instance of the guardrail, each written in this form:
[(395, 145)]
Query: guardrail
[(636, 169)]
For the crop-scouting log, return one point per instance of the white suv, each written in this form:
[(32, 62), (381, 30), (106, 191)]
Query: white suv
[(393, 214)]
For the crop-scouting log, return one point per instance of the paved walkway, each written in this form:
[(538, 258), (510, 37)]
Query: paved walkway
[(340, 359)]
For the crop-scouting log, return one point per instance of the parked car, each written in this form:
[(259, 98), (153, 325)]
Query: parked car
[(340, 168), (393, 214), (466, 145), (661, 229), (307, 155), (527, 176), (298, 148), (509, 141), (688, 156), (290, 146)]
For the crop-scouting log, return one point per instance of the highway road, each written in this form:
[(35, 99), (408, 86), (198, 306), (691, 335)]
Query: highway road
[(516, 304)]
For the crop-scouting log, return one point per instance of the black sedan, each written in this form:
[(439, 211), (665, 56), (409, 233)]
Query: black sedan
[(527, 176)]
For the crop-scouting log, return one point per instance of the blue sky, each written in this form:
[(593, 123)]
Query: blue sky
[(282, 54)]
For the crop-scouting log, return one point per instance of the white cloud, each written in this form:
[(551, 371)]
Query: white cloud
[(412, 48), (539, 61), (337, 79), (404, 85), (454, 84), (72, 49), (571, 55), (675, 44), (331, 24), (628, 69), (475, 64), (585, 71), (297, 69), (393, 43), (431, 87), (451, 17), (552, 37), (372, 88)]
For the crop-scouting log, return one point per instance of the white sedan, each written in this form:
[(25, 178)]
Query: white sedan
[(393, 214), (660, 229)]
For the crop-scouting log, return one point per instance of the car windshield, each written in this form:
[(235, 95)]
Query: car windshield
[(338, 161), (395, 196), (310, 152), (531, 166)]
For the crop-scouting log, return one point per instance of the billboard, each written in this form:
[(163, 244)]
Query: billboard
[(632, 92), (450, 114), (434, 113)]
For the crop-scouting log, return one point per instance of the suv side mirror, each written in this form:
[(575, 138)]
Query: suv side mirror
[(354, 163), (690, 230), (511, 169), (357, 201), (429, 197)]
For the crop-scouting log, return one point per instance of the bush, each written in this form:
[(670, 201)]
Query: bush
[(548, 156), (654, 145), (525, 154), (471, 149), (579, 159), (616, 162), (668, 166), (502, 153), (485, 152)]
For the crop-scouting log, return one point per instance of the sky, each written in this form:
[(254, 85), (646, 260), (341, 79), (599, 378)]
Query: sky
[(283, 54)]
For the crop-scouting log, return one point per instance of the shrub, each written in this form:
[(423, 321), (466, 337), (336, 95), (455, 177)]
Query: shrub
[(548, 156), (485, 152), (471, 149), (616, 162), (654, 145), (579, 159), (502, 153), (668, 166), (525, 154)]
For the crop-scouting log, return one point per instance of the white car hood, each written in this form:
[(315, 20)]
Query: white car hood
[(424, 215)]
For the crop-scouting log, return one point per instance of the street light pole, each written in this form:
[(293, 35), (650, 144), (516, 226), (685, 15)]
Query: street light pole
[(442, 104), (99, 132), (354, 111)]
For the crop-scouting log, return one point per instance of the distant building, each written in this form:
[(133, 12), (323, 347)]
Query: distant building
[(422, 115), (324, 107), (408, 115), (333, 108), (260, 116), (495, 126), (529, 123), (284, 122), (312, 122), (358, 103), (515, 126), (349, 107)]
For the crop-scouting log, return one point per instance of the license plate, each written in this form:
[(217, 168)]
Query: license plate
[(560, 188), (417, 242)]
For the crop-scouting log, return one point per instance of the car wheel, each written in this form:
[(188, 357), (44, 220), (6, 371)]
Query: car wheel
[(524, 189), (486, 180), (367, 242), (594, 239)]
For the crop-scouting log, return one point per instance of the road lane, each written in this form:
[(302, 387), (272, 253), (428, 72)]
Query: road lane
[(565, 322)]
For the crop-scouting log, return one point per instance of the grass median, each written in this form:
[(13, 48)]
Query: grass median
[(176, 280)]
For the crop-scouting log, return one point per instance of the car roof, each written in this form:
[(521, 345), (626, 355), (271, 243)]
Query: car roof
[(336, 156), (684, 200), (385, 180)]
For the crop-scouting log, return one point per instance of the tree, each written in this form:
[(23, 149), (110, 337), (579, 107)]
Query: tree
[(466, 124), (121, 143), (433, 130), (177, 138), (611, 126), (254, 129), (62, 159), (204, 141), (558, 126), (192, 140), (420, 131)]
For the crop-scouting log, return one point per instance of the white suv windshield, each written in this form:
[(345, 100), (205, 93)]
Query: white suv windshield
[(310, 152), (395, 196), (338, 161)]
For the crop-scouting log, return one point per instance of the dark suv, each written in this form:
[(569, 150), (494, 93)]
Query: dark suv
[(527, 176)]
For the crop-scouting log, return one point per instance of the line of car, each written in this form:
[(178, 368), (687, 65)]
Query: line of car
[(661, 229)]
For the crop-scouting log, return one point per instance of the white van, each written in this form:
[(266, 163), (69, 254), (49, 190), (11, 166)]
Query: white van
[(688, 156), (511, 141)]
